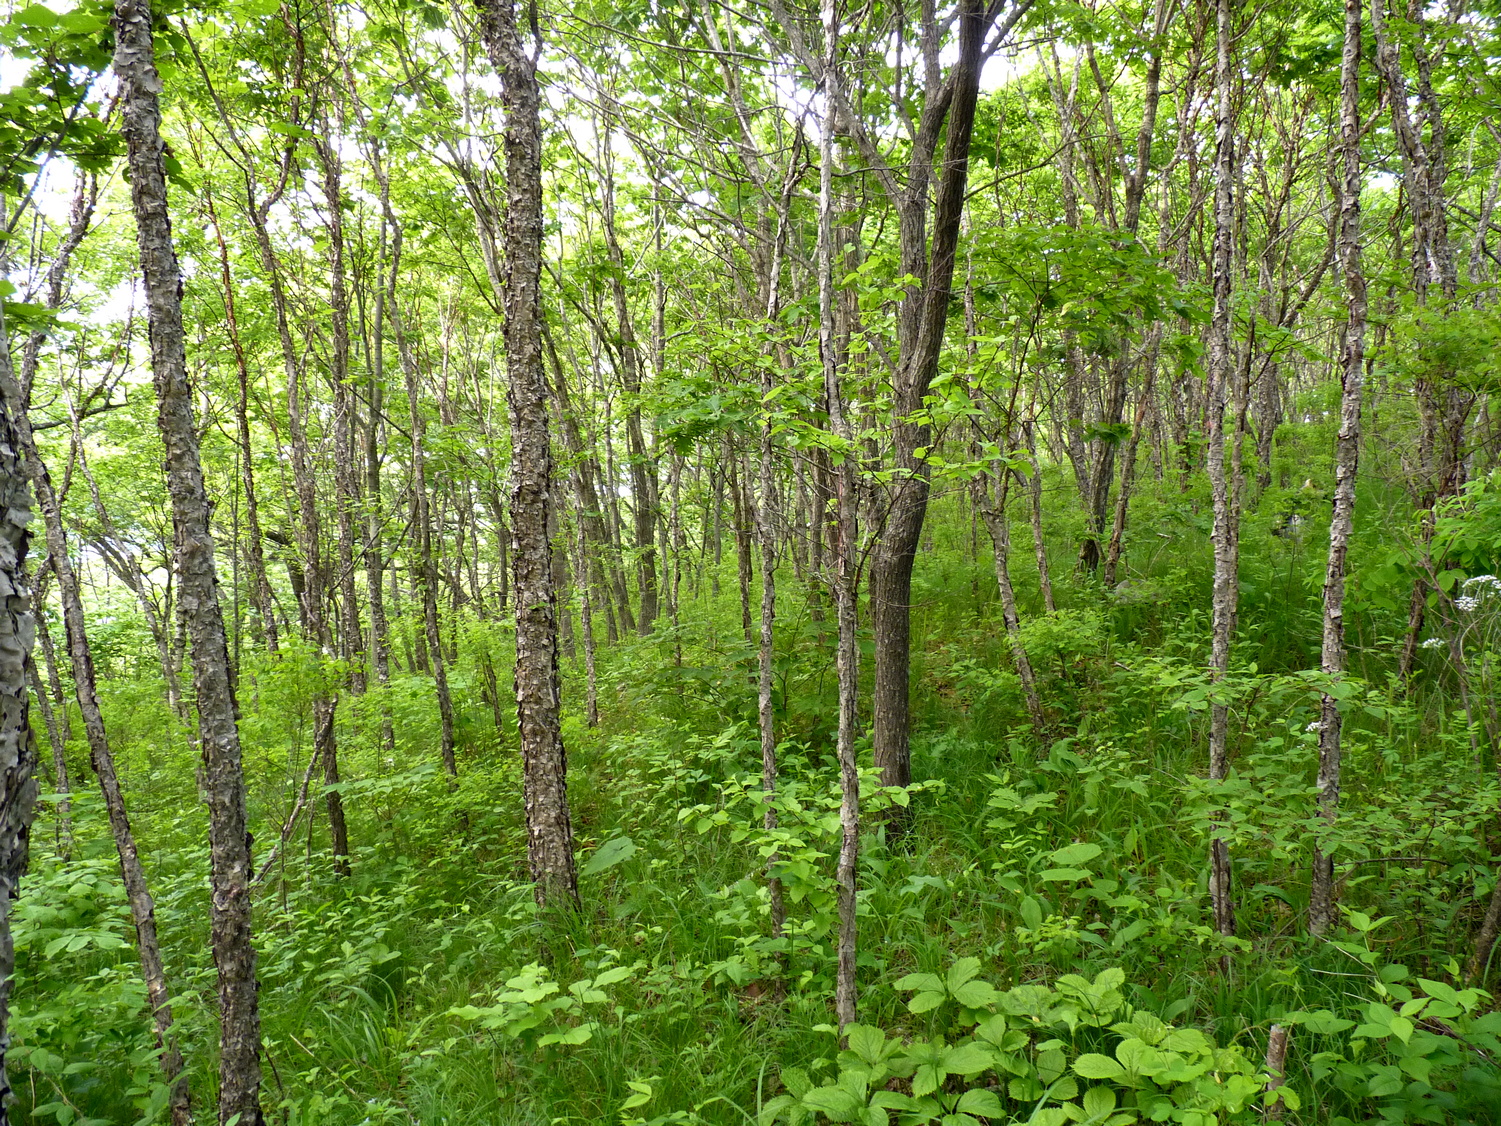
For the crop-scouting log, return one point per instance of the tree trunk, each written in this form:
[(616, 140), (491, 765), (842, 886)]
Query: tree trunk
[(999, 527), (375, 559), (229, 838), (17, 744), (314, 607), (346, 490), (1219, 375), (1322, 913), (643, 475), (586, 624), (921, 338), (137, 891), (844, 541), (55, 710), (1128, 466), (549, 826)]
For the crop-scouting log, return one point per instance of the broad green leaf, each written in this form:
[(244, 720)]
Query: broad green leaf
[(925, 1002), (1099, 1101), (928, 983), (961, 971), (609, 854), (1071, 856), (579, 1034), (975, 994), (1092, 1065), (966, 1059), (980, 1101), (865, 1042)]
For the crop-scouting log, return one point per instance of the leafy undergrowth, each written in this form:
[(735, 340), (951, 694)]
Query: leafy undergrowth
[(1035, 949)]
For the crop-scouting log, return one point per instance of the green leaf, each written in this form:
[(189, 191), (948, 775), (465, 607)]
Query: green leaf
[(1092, 1065), (928, 983), (966, 1059), (1031, 913), (961, 971), (975, 994), (1099, 1101), (835, 1102), (866, 1042), (579, 1034), (609, 854), (1071, 856), (925, 1002), (980, 1101)]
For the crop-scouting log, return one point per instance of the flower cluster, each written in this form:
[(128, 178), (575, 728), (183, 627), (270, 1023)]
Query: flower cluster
[(1476, 590)]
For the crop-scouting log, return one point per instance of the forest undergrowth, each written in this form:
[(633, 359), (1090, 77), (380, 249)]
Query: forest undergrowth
[(1037, 946)]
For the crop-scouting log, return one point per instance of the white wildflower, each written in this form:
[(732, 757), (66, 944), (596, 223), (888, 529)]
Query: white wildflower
[(1474, 591), (1434, 643), (1316, 725)]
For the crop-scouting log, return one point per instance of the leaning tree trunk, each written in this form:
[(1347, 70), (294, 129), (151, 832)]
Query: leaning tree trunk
[(219, 737), (132, 874), (549, 828), (922, 340), (54, 706), (17, 745), (1321, 906), (998, 524)]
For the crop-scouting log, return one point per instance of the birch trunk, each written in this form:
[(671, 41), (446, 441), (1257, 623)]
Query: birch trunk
[(1322, 913), (60, 724), (545, 765), (219, 739), (17, 745), (1219, 376), (843, 542), (999, 527)]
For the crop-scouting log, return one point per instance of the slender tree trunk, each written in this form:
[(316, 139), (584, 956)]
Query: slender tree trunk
[(425, 572), (744, 568), (55, 709), (18, 755), (59, 760), (586, 624), (643, 476), (1220, 372), (999, 527), (316, 626), (545, 765), (375, 560), (261, 600), (229, 838), (346, 490), (1128, 466), (1322, 913), (843, 534), (1039, 544), (766, 516), (137, 891)]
